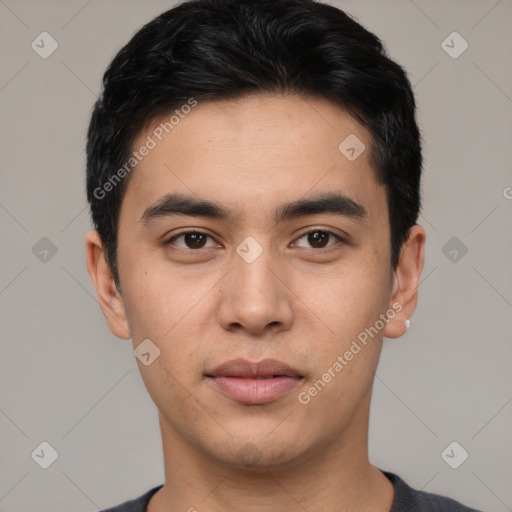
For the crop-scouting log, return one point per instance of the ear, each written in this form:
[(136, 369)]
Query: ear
[(111, 301), (406, 280)]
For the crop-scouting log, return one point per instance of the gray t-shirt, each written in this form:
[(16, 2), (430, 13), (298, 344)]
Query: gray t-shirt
[(406, 499)]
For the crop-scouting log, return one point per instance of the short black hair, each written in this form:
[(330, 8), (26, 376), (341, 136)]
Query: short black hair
[(227, 49)]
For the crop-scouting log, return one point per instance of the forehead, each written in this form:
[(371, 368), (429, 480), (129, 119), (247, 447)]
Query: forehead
[(255, 151)]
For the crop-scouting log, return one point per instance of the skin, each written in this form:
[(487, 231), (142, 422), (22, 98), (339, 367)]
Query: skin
[(296, 303)]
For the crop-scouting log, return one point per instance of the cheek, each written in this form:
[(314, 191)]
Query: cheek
[(173, 313), (172, 395), (351, 298), (349, 353), (347, 358), (155, 296)]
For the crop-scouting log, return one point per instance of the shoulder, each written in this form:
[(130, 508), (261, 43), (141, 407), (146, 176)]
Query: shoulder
[(408, 499), (136, 505)]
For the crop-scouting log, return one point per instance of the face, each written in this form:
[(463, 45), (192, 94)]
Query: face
[(288, 261)]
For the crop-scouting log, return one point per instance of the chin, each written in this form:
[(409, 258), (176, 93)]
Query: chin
[(257, 453)]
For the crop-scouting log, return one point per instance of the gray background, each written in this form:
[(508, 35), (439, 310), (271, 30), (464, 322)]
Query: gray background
[(67, 381)]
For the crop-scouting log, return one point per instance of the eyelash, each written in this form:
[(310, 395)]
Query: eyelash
[(170, 241)]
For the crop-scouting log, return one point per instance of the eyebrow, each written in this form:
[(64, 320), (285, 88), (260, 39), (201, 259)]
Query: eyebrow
[(179, 204)]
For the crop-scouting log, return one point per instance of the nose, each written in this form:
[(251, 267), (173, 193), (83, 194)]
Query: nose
[(255, 296)]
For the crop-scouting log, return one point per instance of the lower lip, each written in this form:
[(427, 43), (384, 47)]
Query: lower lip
[(255, 391)]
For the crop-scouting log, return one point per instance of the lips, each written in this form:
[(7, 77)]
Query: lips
[(252, 370), (254, 382)]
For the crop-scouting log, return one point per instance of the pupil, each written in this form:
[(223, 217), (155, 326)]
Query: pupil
[(195, 239), (316, 238)]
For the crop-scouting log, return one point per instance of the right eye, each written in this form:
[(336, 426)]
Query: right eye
[(192, 240)]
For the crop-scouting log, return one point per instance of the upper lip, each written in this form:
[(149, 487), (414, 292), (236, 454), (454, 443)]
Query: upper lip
[(246, 369)]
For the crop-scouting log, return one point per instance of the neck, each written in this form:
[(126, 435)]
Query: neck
[(337, 476)]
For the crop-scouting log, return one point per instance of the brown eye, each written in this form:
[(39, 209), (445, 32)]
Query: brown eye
[(319, 239), (192, 240)]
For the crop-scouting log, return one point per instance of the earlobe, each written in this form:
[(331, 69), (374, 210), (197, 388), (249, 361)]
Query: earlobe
[(109, 297), (406, 280)]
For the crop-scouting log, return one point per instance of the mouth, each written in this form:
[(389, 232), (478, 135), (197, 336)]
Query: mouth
[(254, 383)]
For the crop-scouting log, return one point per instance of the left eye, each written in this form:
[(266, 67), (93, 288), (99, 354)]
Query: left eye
[(319, 238)]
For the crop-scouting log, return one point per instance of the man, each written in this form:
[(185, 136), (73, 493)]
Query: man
[(253, 170)]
